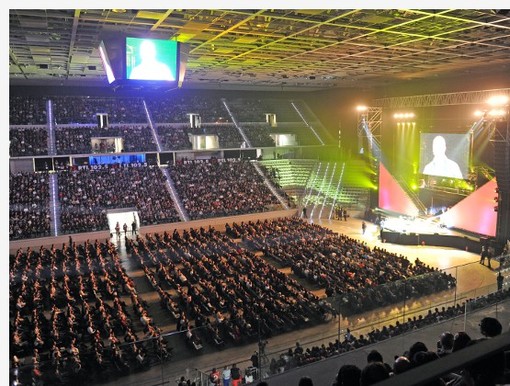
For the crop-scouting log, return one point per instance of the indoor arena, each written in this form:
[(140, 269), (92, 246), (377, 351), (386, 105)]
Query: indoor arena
[(259, 197)]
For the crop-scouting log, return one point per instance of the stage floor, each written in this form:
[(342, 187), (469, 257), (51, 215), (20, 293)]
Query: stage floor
[(403, 224)]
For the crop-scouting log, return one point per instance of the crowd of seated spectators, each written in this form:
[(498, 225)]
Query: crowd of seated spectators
[(349, 375), (228, 135), (249, 110), (175, 109), (173, 138), (215, 188), (77, 140), (304, 135), (29, 205), (27, 110), (487, 371), (361, 277), (28, 141), (68, 322), (85, 196), (83, 109), (221, 288), (258, 134)]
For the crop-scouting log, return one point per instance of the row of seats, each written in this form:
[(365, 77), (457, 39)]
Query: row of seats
[(362, 278), (69, 316), (77, 140), (123, 110), (215, 188), (86, 195), (491, 370)]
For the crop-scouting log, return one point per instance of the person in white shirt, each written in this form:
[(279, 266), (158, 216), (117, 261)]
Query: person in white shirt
[(441, 165), (150, 68), (226, 375)]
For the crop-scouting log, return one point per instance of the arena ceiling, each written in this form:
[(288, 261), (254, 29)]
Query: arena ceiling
[(267, 49)]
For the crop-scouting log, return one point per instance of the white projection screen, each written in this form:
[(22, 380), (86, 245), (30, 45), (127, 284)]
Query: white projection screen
[(445, 155)]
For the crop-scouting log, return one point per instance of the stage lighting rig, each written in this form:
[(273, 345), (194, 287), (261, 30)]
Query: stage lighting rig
[(404, 117)]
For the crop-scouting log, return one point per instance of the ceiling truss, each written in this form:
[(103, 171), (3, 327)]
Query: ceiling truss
[(306, 49)]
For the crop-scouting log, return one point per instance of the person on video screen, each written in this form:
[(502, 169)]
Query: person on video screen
[(441, 165), (150, 68)]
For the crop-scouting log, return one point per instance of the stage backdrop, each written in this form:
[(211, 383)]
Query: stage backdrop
[(476, 212), (392, 197)]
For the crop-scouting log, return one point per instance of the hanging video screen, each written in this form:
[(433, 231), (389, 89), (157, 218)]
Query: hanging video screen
[(444, 155), (151, 59)]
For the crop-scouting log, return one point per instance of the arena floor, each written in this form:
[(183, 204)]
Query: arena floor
[(473, 280)]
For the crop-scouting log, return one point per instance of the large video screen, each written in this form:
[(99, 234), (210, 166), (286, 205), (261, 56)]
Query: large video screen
[(444, 155), (151, 59)]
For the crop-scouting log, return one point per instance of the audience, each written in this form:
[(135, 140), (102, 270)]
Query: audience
[(174, 109), (215, 188), (348, 375), (25, 110), (65, 304), (86, 195), (219, 286), (361, 277), (173, 138), (70, 321), (29, 214), (78, 139), (228, 135), (80, 109), (372, 373), (28, 141), (258, 134)]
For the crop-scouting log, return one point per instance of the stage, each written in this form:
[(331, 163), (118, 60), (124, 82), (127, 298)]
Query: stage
[(407, 230)]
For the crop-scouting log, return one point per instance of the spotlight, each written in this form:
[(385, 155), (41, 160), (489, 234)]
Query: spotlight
[(361, 108), (497, 113), (498, 100), (407, 116)]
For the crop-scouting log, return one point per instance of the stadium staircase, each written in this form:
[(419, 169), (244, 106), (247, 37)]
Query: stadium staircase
[(310, 120), (333, 185), (323, 190), (239, 128), (54, 205), (52, 150), (183, 215), (270, 185), (291, 175), (151, 125)]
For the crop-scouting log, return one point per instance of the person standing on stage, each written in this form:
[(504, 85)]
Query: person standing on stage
[(363, 227), (483, 255), (125, 227), (133, 227)]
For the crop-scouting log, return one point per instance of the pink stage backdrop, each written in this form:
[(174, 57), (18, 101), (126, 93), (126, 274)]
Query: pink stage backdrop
[(391, 195), (475, 213)]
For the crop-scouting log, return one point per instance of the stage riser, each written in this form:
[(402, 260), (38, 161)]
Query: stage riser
[(457, 242)]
